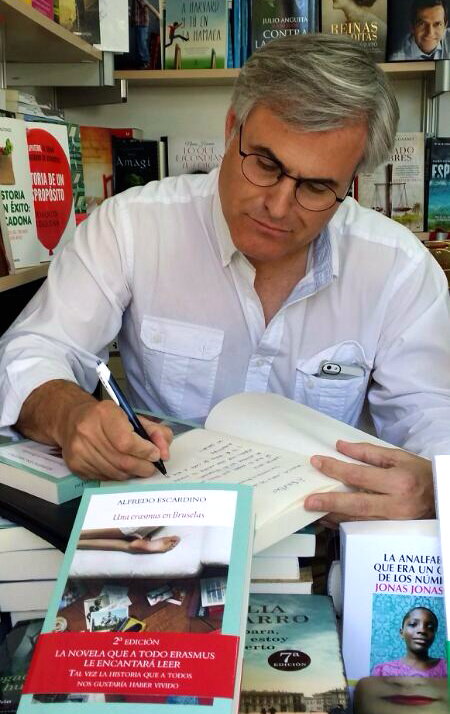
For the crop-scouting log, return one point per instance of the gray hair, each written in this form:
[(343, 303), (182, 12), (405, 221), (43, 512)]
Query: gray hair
[(319, 82)]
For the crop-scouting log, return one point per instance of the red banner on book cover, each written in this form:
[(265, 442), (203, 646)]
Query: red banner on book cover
[(170, 663)]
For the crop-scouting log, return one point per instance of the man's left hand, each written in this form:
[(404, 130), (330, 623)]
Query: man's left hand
[(391, 485)]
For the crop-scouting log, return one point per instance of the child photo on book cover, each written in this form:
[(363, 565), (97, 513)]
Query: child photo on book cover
[(400, 695), (418, 650)]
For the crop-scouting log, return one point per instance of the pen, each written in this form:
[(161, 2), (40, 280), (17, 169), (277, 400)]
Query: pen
[(116, 394)]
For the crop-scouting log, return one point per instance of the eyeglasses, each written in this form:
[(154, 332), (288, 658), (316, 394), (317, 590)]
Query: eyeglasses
[(261, 170)]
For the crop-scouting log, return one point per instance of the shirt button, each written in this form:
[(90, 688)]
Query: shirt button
[(157, 339), (259, 362)]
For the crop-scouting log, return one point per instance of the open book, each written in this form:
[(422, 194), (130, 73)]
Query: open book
[(265, 441)]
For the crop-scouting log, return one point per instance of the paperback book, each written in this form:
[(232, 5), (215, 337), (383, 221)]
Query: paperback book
[(365, 22), (272, 19), (394, 621), (17, 219), (437, 193), (135, 162), (396, 188), (15, 657), (266, 441), (39, 469), (80, 17), (96, 152), (441, 471), (196, 34), (417, 32), (176, 654), (292, 659), (190, 156), (51, 178), (144, 33)]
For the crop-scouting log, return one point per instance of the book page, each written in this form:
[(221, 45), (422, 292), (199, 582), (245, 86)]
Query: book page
[(271, 419), (280, 479)]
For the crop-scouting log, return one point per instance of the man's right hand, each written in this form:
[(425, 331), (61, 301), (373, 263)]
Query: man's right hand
[(96, 438)]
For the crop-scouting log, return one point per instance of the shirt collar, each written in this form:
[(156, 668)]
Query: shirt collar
[(323, 259), (417, 53)]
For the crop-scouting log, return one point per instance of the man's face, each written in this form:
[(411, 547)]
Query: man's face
[(429, 28), (266, 223)]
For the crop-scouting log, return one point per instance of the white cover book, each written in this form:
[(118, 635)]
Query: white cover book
[(15, 538), (300, 545), (17, 219), (114, 30), (273, 568), (441, 470), (187, 156), (30, 565), (26, 595), (389, 569), (396, 188)]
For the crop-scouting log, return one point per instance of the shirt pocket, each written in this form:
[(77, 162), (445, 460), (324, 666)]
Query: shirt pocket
[(339, 398), (180, 364)]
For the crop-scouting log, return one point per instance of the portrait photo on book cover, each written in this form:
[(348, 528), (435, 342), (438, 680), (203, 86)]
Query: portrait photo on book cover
[(400, 695), (418, 30), (408, 637)]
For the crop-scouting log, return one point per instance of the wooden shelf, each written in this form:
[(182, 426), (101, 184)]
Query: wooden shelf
[(33, 37), (407, 70), (23, 276), (211, 77), (178, 77)]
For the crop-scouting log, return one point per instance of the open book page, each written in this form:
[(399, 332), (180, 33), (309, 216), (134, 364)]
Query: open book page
[(281, 480), (274, 420)]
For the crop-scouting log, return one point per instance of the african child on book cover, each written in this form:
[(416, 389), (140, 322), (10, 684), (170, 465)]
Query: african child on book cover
[(139, 614)]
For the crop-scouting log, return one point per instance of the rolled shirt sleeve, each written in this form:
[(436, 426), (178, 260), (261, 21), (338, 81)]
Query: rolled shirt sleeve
[(72, 318)]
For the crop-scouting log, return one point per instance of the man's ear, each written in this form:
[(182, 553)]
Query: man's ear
[(230, 124)]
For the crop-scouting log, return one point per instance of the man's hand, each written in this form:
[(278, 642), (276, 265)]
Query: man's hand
[(394, 485), (98, 442), (96, 438)]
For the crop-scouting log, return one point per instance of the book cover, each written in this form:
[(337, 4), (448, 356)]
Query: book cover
[(266, 441), (15, 657), (405, 695), (417, 34), (441, 472), (144, 32), (44, 6), (196, 34), (6, 256), (135, 162), (194, 539), (39, 469), (292, 660), (51, 178), (394, 621), (96, 152), (396, 188), (272, 19), (80, 17), (76, 168), (365, 22), (437, 207), (17, 219), (189, 156), (113, 26)]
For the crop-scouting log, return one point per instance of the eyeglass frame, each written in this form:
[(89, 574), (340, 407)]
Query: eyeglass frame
[(298, 181)]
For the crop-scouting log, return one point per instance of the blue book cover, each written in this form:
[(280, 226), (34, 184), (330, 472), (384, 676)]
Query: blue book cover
[(438, 184), (150, 604), (292, 660)]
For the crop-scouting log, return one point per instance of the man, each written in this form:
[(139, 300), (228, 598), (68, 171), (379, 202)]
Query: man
[(429, 38), (254, 277)]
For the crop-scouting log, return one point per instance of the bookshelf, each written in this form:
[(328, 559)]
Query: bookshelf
[(23, 276), (225, 77), (33, 37)]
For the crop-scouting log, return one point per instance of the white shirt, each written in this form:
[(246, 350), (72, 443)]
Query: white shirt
[(157, 265), (409, 50)]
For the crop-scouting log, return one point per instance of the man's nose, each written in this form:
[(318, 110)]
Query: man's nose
[(280, 198)]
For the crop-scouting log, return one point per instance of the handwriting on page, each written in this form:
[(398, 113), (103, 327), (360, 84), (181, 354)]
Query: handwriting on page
[(221, 458)]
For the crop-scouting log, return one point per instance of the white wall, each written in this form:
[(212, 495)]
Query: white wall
[(200, 111)]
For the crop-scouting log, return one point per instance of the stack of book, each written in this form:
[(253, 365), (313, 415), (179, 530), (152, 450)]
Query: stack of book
[(29, 566)]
